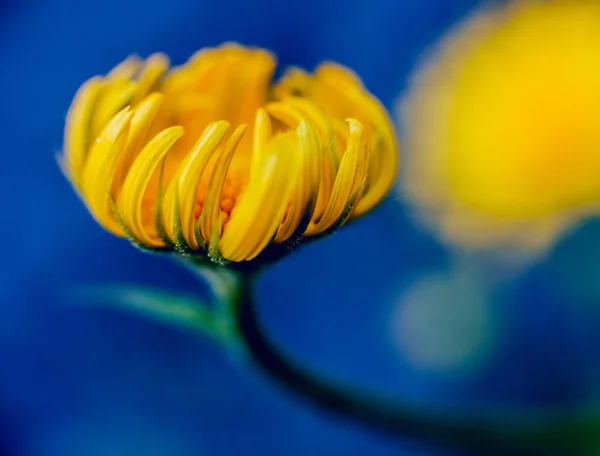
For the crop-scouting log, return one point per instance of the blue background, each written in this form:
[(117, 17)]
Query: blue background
[(82, 381)]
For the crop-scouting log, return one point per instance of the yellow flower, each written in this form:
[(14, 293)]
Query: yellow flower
[(501, 126), (213, 158)]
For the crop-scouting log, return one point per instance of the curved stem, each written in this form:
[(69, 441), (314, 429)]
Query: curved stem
[(483, 433)]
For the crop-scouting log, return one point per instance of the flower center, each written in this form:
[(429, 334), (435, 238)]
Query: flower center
[(230, 86), (229, 195)]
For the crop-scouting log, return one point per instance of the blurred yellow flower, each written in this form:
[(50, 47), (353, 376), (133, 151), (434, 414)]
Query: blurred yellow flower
[(212, 158), (502, 126)]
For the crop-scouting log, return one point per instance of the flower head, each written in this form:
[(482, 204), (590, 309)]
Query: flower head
[(501, 126), (213, 158)]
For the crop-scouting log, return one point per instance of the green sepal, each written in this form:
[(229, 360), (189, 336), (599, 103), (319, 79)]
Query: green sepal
[(213, 246), (198, 232), (179, 243), (158, 209)]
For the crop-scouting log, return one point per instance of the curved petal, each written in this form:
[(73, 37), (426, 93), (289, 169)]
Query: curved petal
[(115, 96), (384, 156), (352, 171), (292, 115), (127, 69), (261, 207), (141, 122), (180, 197), (154, 68), (340, 93), (138, 177), (307, 188), (262, 136), (78, 138), (212, 211), (295, 109), (100, 169)]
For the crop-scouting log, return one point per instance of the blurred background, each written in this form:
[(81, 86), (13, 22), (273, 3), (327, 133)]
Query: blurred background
[(419, 322)]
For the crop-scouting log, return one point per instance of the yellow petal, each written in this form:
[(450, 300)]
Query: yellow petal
[(136, 183), (295, 82), (351, 172), (184, 185), (149, 80), (339, 92), (340, 133), (127, 69), (329, 164), (262, 135), (115, 96), (100, 169), (250, 91), (78, 138), (294, 110), (143, 116), (293, 113), (335, 75), (307, 188), (261, 207), (383, 159), (211, 212)]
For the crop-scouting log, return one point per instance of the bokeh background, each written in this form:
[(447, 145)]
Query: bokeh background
[(381, 304)]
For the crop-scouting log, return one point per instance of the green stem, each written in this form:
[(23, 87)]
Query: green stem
[(485, 433)]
